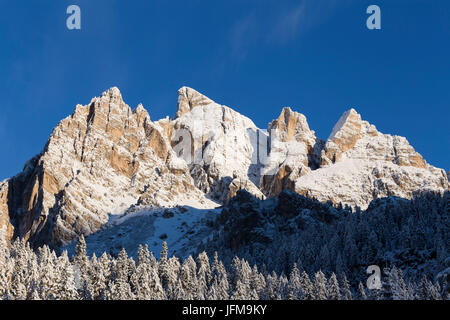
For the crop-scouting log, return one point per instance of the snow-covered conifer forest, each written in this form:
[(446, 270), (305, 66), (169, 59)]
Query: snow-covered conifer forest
[(324, 259), (29, 275)]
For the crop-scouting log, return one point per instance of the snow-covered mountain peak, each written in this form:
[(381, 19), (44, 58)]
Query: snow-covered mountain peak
[(354, 138), (290, 124), (112, 92), (221, 145), (348, 121), (188, 99)]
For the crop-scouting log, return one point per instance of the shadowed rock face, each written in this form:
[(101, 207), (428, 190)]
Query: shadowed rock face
[(109, 159)]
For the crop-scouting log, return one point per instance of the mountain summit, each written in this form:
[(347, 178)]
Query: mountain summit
[(107, 159)]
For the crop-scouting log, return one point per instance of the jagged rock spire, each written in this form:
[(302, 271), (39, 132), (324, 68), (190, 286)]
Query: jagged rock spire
[(355, 138), (188, 99), (344, 135)]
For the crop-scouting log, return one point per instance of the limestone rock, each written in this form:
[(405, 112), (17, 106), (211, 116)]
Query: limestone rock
[(222, 145), (353, 138), (294, 151), (188, 99), (359, 164), (98, 162), (6, 228)]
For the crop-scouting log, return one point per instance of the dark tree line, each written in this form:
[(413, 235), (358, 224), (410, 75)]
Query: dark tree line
[(412, 235)]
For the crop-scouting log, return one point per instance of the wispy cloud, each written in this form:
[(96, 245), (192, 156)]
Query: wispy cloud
[(287, 24), (279, 25), (294, 21), (243, 34)]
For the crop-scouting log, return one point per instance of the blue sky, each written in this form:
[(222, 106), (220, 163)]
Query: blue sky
[(316, 56)]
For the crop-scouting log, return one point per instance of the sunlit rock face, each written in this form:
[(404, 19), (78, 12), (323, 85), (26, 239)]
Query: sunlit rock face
[(294, 152), (101, 160), (359, 164)]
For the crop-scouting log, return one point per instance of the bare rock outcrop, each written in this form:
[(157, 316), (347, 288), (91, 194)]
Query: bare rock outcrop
[(353, 138), (360, 164), (188, 99), (101, 160), (294, 152), (6, 227), (219, 143)]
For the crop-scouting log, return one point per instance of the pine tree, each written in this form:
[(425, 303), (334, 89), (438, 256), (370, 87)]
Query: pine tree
[(320, 288), (294, 285), (397, 285), (223, 289), (163, 267), (81, 269), (346, 291), (224, 286), (333, 288), (271, 290), (173, 275), (257, 284), (123, 271), (140, 282), (178, 292), (307, 289), (157, 291), (362, 292), (65, 288), (81, 259), (99, 280), (188, 278), (4, 255), (212, 291), (203, 275), (18, 290), (435, 292), (143, 256), (215, 267), (241, 292)]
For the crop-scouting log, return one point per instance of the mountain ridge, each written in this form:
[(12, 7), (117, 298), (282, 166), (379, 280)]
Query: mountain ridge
[(107, 158)]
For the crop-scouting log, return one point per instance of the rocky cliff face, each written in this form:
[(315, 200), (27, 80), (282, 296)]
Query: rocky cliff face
[(107, 159), (294, 152), (360, 164), (104, 159), (223, 146)]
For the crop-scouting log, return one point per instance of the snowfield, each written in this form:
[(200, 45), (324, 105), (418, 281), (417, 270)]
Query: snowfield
[(183, 228)]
